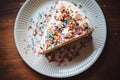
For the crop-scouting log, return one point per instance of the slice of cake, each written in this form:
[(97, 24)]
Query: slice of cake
[(68, 23)]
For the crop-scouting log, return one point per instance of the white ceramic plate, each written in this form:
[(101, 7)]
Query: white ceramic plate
[(87, 57)]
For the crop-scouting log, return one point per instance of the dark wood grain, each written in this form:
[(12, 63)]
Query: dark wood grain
[(12, 67)]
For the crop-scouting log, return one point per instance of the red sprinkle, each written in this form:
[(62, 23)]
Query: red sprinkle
[(80, 31), (61, 61)]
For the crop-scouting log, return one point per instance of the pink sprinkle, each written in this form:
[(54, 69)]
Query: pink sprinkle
[(79, 20), (40, 33), (47, 20), (39, 53), (79, 7), (68, 25), (30, 23), (38, 29), (56, 2), (37, 21), (42, 12), (61, 61), (65, 64), (62, 35), (34, 51)]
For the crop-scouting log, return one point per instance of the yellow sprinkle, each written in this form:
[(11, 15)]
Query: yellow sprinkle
[(69, 6), (27, 49), (57, 37), (50, 41), (28, 28), (73, 30), (37, 42), (34, 33)]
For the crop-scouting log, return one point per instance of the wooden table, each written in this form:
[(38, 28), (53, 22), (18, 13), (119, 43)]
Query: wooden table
[(12, 67)]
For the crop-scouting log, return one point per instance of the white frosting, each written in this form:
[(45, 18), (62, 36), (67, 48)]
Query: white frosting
[(59, 24), (76, 16), (66, 32), (60, 7), (59, 16)]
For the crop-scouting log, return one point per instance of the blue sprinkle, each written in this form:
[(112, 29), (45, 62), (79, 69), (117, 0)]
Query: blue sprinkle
[(75, 4), (40, 15), (31, 19), (52, 45), (28, 46), (64, 26), (66, 22), (40, 30), (52, 7), (55, 28), (76, 27), (55, 17), (80, 6), (75, 33), (32, 41), (58, 42), (50, 36), (41, 23), (36, 25), (45, 15)]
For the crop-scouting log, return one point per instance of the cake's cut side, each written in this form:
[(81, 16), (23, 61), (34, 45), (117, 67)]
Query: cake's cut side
[(68, 23)]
